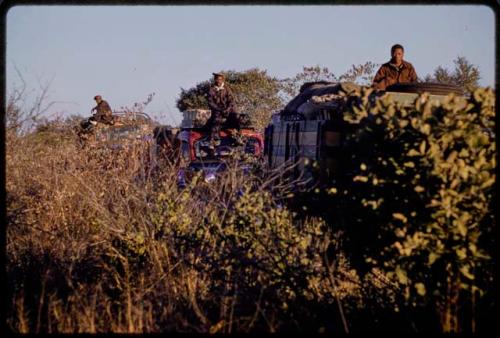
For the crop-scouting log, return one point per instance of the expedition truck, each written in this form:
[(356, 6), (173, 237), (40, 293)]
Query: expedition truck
[(188, 146), (311, 130), (198, 157), (128, 128)]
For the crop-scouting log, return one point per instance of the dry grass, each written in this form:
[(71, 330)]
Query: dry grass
[(99, 241)]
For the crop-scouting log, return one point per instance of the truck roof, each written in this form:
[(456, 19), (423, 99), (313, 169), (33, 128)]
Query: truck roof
[(405, 93)]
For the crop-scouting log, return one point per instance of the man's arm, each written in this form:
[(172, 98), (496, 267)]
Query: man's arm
[(412, 74), (230, 100), (379, 79), (106, 107)]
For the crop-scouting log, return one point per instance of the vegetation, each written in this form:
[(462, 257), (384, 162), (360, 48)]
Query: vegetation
[(104, 241), (260, 95), (465, 75), (256, 94), (418, 202), (113, 250), (361, 74)]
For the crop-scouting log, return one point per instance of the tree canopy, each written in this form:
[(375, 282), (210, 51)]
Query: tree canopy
[(260, 94), (465, 75), (255, 92), (361, 74)]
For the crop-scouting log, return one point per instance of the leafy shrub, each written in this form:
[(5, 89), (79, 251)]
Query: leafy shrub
[(420, 196), (116, 247)]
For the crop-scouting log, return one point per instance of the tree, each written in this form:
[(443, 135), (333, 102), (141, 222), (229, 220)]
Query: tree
[(23, 111), (361, 74), (465, 75), (290, 87), (256, 93)]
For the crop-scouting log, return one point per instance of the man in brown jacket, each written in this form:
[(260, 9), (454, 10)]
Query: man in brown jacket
[(221, 103), (395, 71), (103, 111)]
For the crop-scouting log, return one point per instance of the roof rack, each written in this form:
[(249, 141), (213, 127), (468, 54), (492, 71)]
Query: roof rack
[(132, 115)]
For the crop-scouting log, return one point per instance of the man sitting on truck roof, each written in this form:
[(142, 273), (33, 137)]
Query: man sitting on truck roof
[(395, 71), (103, 114), (221, 104)]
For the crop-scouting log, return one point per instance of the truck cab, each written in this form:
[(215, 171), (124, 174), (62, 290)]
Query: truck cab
[(196, 156), (128, 128)]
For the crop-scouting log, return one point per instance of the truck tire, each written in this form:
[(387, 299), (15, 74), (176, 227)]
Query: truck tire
[(313, 84), (429, 87)]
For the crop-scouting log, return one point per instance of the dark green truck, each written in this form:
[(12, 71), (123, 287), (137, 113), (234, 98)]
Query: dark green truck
[(306, 137)]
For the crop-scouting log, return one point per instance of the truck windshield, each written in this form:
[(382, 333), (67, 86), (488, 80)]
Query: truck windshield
[(225, 148)]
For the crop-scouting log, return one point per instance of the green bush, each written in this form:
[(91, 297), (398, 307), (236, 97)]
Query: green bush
[(254, 253), (419, 197), (117, 248)]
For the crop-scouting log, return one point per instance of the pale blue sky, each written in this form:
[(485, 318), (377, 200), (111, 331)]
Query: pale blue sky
[(126, 52)]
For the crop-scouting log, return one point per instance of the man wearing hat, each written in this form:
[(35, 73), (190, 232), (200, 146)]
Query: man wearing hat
[(221, 103), (103, 115), (103, 111)]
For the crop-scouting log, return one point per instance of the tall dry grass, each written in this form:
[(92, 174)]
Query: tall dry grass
[(103, 241)]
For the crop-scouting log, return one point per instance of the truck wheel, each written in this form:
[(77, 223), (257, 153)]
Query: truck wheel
[(429, 87)]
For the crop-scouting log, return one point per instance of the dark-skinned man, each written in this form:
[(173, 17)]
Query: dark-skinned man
[(395, 71), (103, 113), (221, 103)]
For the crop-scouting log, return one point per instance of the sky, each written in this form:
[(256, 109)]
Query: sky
[(125, 53)]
